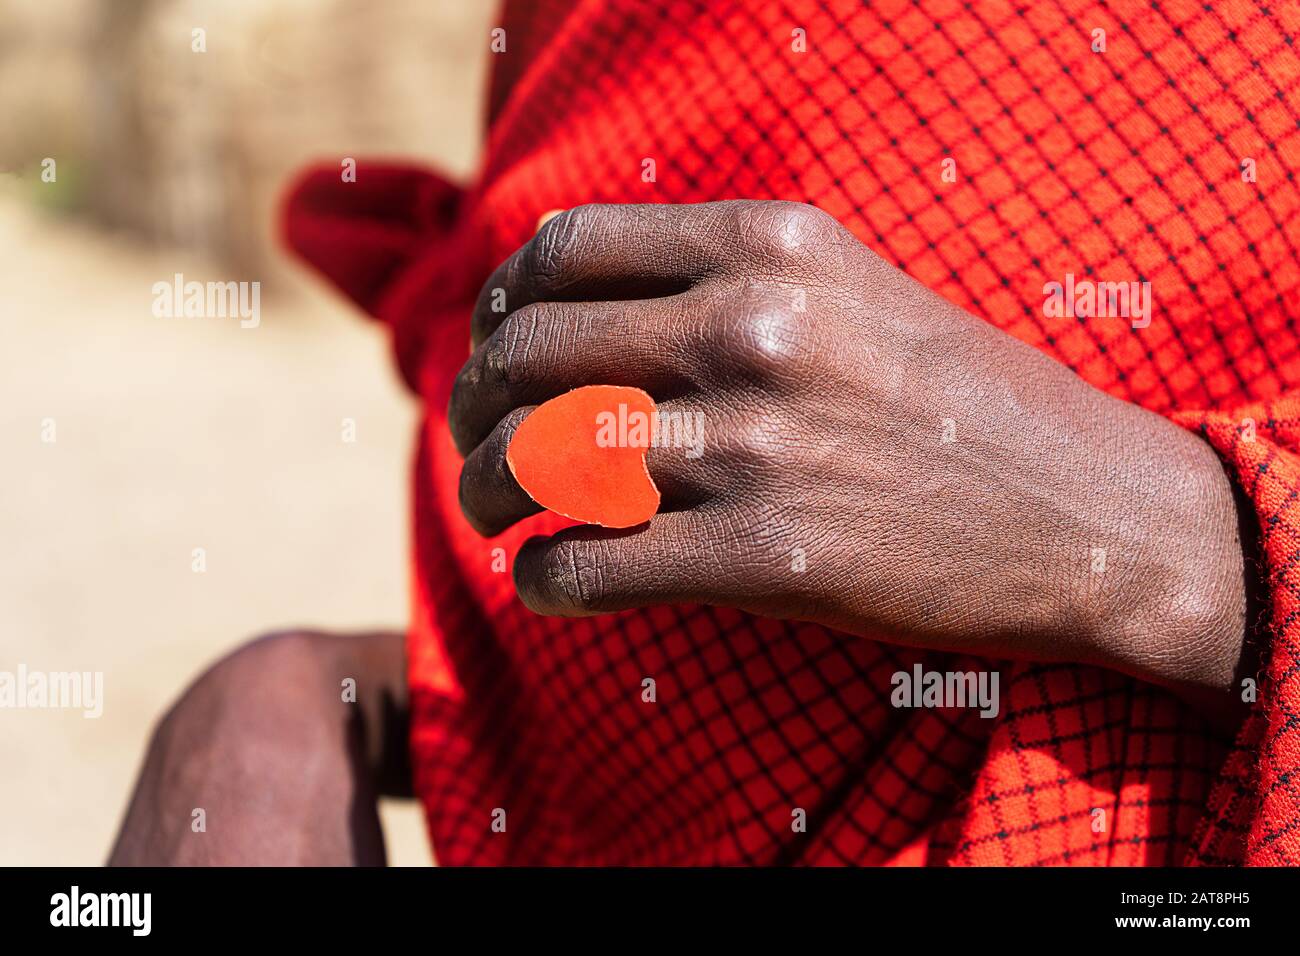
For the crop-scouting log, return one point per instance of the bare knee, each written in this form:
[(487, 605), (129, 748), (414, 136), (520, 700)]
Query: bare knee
[(267, 756)]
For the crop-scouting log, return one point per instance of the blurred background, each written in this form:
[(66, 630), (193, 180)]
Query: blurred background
[(176, 434)]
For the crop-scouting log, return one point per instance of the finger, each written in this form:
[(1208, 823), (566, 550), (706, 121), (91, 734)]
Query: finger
[(490, 497), (548, 348), (583, 571), (606, 251)]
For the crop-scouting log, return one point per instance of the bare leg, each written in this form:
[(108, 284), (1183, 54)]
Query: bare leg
[(267, 759)]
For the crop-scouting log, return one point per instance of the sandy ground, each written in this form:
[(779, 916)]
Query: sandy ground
[(177, 434), (171, 435)]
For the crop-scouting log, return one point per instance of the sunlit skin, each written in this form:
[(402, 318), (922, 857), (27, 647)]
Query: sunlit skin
[(948, 485), (286, 771), (829, 381)]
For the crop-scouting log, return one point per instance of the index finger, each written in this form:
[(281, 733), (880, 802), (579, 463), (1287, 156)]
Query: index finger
[(606, 252)]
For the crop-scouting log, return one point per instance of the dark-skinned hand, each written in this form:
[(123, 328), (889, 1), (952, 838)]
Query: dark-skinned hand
[(940, 483)]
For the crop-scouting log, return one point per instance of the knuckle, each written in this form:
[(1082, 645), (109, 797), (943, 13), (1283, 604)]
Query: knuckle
[(466, 395), (495, 367), (785, 230), (462, 388), (573, 572), (553, 249), (762, 447), (521, 338), (765, 338), (505, 360)]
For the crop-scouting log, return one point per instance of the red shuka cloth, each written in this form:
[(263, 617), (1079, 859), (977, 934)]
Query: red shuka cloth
[(1122, 165)]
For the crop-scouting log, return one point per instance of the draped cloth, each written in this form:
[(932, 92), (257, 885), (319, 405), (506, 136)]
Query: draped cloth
[(1168, 158)]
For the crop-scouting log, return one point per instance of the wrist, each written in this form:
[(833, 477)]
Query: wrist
[(1176, 614)]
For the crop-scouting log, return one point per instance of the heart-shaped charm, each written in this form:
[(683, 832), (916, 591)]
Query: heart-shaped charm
[(583, 455)]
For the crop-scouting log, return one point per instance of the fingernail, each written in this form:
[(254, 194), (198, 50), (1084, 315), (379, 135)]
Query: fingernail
[(546, 217)]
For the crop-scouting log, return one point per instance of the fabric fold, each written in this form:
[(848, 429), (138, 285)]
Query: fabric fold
[(1254, 808)]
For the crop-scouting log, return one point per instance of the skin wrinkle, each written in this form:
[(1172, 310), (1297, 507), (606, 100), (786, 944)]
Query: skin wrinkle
[(573, 344), (824, 433), (524, 334)]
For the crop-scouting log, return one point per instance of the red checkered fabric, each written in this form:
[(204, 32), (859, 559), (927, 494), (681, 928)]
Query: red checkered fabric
[(1122, 165)]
